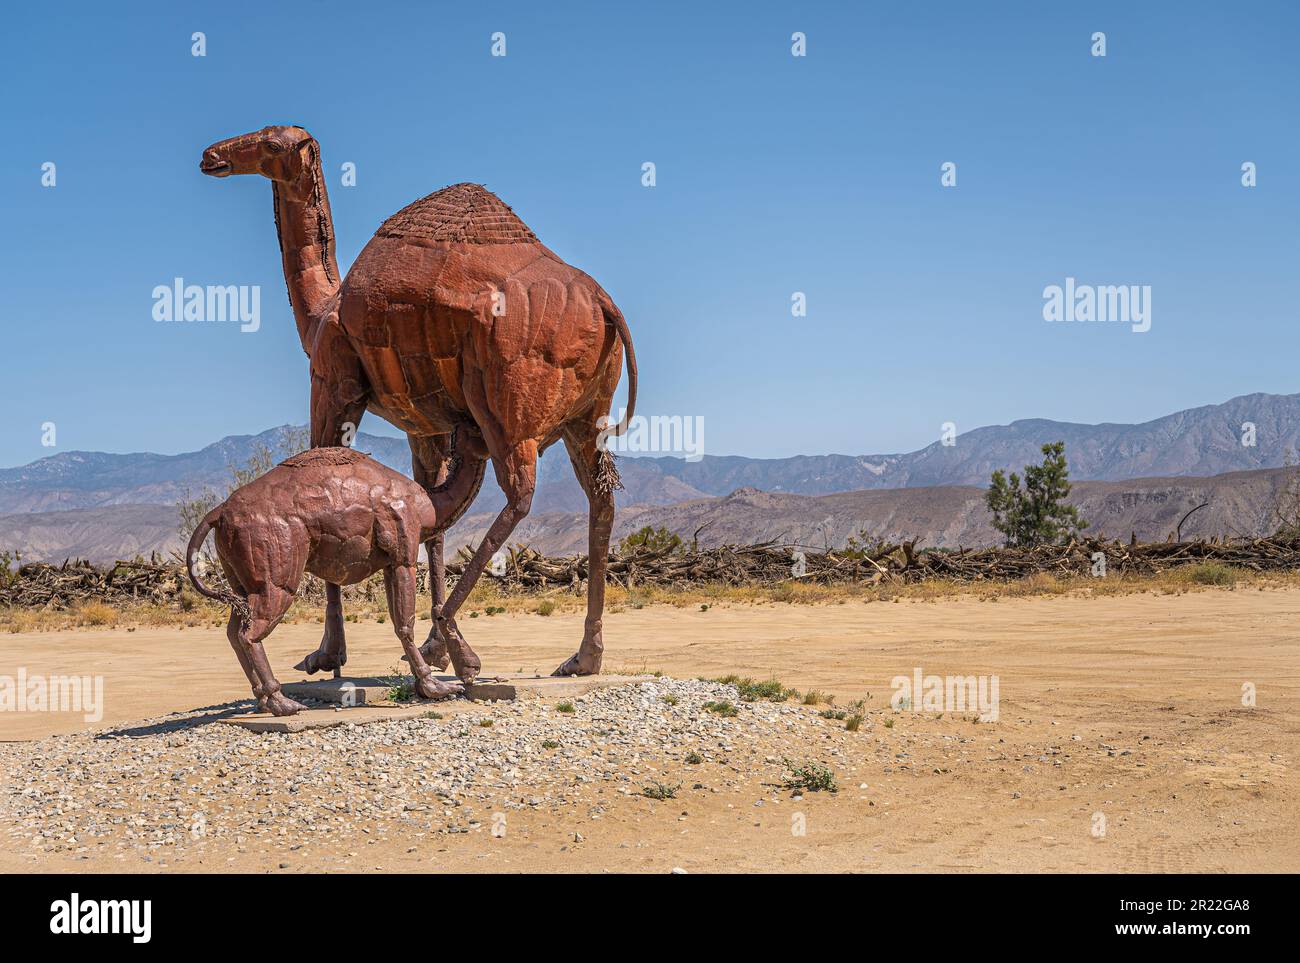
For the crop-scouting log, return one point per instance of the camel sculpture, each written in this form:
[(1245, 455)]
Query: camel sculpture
[(454, 318), (333, 512)]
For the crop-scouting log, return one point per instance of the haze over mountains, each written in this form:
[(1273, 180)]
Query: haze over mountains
[(105, 505)]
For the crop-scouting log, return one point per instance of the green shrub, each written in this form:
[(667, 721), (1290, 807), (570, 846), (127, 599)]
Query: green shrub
[(660, 790), (1212, 573), (813, 777), (650, 539), (751, 691)]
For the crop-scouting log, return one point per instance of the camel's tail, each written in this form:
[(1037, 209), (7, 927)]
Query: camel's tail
[(615, 317), (196, 542)]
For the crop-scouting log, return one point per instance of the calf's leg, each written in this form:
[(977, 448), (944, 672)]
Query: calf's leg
[(241, 653), (265, 609), (399, 585)]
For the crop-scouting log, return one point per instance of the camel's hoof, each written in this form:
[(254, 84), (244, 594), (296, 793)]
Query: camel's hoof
[(432, 688), (319, 661), (578, 665), (435, 652), (469, 668), (464, 660), (281, 705)]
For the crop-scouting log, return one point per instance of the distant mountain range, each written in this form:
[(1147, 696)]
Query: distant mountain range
[(104, 505), (945, 516)]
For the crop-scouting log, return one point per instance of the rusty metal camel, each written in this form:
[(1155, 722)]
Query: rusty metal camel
[(454, 317), (333, 512)]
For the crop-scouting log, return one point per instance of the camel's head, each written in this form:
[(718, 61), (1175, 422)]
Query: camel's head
[(283, 154)]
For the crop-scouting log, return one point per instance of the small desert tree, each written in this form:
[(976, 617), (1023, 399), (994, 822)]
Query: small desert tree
[(194, 505), (650, 539), (1286, 506), (1037, 513)]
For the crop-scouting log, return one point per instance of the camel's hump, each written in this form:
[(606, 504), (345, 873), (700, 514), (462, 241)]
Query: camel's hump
[(464, 213)]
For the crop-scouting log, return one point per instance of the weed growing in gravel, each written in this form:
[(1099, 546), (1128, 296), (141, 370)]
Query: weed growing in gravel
[(565, 706), (832, 713), (671, 700), (550, 744), (694, 759), (889, 723), (401, 687), (814, 777), (723, 708), (854, 722), (660, 790), (485, 723), (751, 691), (432, 715), (546, 606), (815, 697)]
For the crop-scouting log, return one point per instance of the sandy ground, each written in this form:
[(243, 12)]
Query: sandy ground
[(1130, 707)]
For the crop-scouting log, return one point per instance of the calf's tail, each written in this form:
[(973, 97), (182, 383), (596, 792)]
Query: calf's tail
[(196, 543)]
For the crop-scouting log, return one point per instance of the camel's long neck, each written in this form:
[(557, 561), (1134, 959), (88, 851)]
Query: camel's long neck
[(306, 230)]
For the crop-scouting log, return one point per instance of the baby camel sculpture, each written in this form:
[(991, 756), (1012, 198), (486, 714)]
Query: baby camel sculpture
[(333, 512), (453, 315)]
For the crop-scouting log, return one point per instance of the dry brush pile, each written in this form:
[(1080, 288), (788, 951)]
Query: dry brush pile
[(521, 569), (770, 563)]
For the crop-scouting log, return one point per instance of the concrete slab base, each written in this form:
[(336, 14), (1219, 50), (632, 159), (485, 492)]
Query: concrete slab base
[(519, 687), (338, 716), (360, 701), (500, 688), (345, 691)]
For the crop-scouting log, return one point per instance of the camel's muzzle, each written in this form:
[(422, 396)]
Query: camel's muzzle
[(214, 165)]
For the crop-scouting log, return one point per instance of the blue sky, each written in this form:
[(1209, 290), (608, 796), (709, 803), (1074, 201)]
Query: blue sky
[(775, 174)]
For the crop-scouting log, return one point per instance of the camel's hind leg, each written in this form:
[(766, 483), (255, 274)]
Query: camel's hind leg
[(516, 470), (399, 585), (596, 473), (265, 609)]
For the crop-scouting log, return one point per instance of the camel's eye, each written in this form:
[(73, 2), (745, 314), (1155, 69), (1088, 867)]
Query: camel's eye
[(275, 147)]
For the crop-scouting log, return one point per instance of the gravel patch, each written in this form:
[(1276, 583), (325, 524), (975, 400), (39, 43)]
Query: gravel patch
[(167, 784)]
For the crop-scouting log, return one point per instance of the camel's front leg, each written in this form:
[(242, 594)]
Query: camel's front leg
[(429, 457), (332, 653), (434, 649), (337, 404)]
